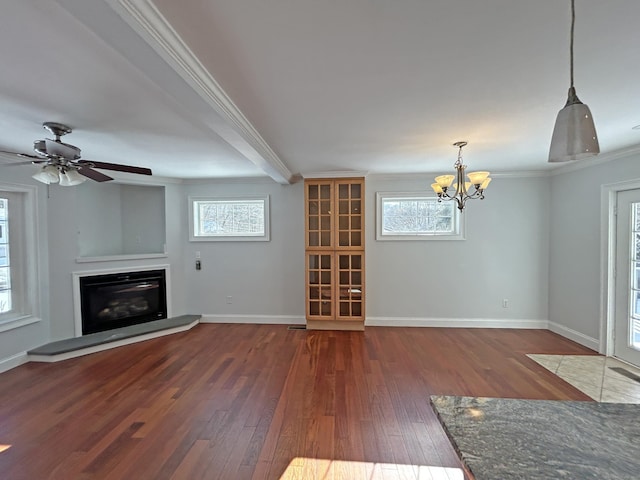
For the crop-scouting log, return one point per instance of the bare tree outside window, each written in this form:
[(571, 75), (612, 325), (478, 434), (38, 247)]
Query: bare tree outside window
[(229, 219), (408, 216)]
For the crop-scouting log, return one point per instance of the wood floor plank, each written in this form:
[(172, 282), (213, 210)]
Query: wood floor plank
[(263, 402)]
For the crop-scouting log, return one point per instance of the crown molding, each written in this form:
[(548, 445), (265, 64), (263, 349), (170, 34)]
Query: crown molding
[(428, 176), (227, 181), (335, 174), (597, 160), (522, 174), (146, 20)]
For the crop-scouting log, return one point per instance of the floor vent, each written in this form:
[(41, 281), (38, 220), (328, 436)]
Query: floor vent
[(626, 373), (297, 327)]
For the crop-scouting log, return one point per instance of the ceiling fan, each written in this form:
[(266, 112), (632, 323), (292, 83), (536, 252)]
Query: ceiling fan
[(62, 164)]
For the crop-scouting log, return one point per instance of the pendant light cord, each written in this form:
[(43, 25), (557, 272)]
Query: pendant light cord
[(573, 21)]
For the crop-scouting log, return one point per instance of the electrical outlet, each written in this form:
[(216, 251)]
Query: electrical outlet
[(505, 303), (229, 299)]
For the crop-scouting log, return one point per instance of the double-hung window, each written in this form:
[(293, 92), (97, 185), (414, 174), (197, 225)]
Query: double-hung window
[(17, 256), (416, 216), (229, 218), (5, 259)]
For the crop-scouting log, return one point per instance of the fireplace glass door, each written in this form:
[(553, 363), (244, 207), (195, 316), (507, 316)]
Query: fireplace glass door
[(123, 299)]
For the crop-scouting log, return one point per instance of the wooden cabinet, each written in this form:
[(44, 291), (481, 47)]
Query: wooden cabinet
[(334, 224)]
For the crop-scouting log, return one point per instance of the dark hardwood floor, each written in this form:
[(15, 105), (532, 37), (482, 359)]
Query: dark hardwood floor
[(264, 402)]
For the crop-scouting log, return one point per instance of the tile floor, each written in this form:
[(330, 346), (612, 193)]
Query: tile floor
[(594, 376)]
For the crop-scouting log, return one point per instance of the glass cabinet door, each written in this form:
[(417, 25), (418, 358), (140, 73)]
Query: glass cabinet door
[(320, 285), (350, 285), (349, 202), (319, 198)]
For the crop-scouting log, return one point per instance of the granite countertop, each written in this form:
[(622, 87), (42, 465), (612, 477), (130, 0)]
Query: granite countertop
[(502, 439)]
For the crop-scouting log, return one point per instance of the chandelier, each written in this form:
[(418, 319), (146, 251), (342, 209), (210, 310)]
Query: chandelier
[(461, 188)]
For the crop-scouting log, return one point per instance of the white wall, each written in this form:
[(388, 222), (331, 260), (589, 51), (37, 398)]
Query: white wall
[(504, 256), (264, 279), (117, 219), (143, 219), (14, 342), (545, 261), (575, 273), (99, 219)]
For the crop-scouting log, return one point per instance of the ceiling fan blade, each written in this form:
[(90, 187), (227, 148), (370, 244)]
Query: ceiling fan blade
[(117, 167), (23, 155), (94, 174), (15, 164)]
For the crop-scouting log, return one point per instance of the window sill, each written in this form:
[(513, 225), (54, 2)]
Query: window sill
[(114, 258), (203, 238), (423, 237), (6, 325)]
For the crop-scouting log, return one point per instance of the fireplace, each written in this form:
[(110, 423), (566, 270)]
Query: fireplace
[(121, 299)]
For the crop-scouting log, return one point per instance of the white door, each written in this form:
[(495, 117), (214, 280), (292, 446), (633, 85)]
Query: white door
[(627, 278)]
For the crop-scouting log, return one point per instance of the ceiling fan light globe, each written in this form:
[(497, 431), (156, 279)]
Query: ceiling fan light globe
[(71, 178), (42, 177), (47, 175)]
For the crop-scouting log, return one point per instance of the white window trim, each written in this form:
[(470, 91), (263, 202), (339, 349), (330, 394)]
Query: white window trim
[(265, 237), (380, 196), (31, 260)]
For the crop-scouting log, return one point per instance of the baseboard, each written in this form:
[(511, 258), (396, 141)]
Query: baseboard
[(582, 339), (258, 319), (13, 361), (384, 321), (456, 322)]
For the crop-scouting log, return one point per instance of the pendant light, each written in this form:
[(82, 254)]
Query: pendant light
[(574, 136)]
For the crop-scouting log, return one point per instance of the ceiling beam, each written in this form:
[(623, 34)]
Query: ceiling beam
[(148, 22)]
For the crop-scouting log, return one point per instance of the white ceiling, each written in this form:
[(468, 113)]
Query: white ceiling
[(242, 88)]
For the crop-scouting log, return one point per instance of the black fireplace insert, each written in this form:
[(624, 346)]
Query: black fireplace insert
[(122, 299)]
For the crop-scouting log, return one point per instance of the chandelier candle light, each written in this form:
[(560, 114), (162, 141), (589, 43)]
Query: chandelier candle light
[(479, 180)]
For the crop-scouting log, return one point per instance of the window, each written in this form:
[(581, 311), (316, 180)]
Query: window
[(229, 218), (416, 216), (17, 256), (5, 272)]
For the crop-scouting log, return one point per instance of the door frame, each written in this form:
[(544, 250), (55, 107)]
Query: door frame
[(608, 238)]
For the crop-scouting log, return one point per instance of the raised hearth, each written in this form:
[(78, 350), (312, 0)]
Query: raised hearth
[(96, 342)]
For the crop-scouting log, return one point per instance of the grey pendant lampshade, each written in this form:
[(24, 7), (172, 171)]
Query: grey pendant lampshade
[(574, 136)]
